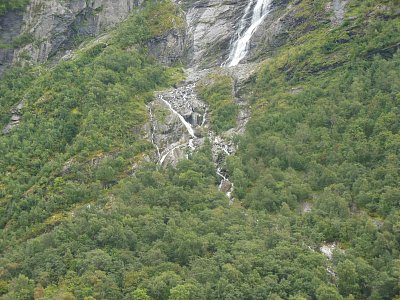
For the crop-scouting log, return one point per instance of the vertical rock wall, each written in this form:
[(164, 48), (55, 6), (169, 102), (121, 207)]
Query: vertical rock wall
[(10, 27), (58, 26), (211, 26), (54, 27)]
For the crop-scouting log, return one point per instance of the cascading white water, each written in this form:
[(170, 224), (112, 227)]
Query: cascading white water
[(188, 127), (224, 180), (204, 118), (184, 122), (169, 151), (240, 46)]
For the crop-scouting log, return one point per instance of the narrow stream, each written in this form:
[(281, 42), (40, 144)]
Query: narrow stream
[(224, 148), (170, 151), (184, 122), (219, 145), (188, 127)]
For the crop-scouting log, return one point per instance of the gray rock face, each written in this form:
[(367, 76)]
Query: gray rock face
[(10, 27), (169, 49), (15, 117), (212, 25), (339, 10), (273, 32), (56, 26)]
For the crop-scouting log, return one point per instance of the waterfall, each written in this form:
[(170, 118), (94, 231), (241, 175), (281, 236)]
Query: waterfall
[(169, 151), (188, 127), (240, 46), (184, 122), (224, 179)]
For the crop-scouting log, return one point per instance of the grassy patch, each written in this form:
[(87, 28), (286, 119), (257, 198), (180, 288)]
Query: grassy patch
[(90, 104), (217, 92)]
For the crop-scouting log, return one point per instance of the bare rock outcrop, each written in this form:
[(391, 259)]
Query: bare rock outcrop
[(10, 28), (211, 26), (15, 117), (57, 26), (339, 10)]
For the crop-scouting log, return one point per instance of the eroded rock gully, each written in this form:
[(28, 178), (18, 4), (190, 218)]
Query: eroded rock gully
[(179, 119), (180, 123)]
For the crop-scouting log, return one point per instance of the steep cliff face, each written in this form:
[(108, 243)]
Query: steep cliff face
[(47, 30), (172, 47), (58, 26), (210, 26), (50, 29), (213, 26), (10, 27)]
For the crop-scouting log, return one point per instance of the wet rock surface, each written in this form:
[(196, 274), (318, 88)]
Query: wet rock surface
[(210, 36), (10, 27), (177, 117), (210, 26), (180, 122)]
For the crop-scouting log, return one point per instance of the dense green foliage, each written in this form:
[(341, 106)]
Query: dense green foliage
[(325, 132), (217, 92), (76, 223), (80, 129)]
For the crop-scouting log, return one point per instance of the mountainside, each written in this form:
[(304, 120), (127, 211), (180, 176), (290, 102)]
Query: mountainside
[(200, 149)]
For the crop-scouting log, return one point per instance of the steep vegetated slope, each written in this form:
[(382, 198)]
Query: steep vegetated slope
[(86, 213)]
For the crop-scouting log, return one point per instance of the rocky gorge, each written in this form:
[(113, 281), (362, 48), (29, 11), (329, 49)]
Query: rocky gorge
[(180, 123)]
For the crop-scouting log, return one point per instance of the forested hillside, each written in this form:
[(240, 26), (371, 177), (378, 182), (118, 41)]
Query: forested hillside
[(87, 213)]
